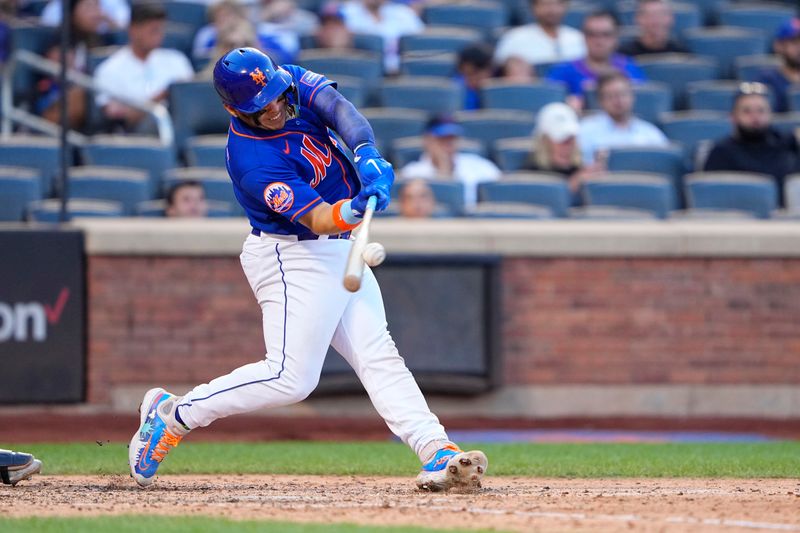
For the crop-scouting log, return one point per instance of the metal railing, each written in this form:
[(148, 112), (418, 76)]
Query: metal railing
[(11, 114)]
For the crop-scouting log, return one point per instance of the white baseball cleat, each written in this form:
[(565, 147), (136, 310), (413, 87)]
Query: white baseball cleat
[(17, 466), (451, 467)]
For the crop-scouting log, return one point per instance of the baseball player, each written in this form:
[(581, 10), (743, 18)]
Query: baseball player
[(303, 197), (17, 466)]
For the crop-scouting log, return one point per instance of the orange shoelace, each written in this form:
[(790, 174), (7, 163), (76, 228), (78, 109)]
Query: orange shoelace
[(165, 444)]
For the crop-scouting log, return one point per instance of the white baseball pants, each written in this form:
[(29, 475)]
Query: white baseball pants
[(298, 285)]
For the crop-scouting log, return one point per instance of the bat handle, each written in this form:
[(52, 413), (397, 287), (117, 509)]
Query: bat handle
[(372, 201)]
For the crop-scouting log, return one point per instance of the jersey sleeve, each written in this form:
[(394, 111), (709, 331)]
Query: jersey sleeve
[(309, 83), (283, 193)]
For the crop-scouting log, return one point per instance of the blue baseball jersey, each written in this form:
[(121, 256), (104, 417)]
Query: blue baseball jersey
[(279, 176)]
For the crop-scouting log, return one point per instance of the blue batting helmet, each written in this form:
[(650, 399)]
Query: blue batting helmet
[(247, 80)]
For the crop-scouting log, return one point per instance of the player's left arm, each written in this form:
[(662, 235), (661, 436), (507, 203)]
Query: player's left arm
[(340, 114)]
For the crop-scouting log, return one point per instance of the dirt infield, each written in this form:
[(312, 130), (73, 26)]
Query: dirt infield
[(506, 504)]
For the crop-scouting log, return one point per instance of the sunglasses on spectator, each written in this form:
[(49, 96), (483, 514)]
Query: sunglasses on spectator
[(752, 87)]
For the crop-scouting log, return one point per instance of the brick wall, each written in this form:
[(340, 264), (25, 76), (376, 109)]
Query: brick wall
[(598, 321)]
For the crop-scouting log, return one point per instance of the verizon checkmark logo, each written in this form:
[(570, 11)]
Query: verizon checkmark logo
[(27, 321)]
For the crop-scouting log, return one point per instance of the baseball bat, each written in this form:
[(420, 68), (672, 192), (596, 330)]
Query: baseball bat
[(355, 262)]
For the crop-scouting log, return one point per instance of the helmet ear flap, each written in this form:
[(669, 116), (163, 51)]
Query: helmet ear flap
[(293, 100)]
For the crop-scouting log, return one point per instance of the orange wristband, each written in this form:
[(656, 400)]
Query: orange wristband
[(337, 217)]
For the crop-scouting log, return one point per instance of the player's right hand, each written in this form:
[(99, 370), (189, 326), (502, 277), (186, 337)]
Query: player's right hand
[(381, 191)]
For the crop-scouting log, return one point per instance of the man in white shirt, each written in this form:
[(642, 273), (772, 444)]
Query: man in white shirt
[(390, 20), (615, 125), (547, 41), (140, 71), (442, 160)]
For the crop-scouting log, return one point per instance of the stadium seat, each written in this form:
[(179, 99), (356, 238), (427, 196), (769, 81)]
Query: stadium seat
[(756, 193), (678, 70), (749, 68), (216, 182), (498, 94), (50, 210), (192, 14), (637, 190), (440, 39), (36, 39), (482, 16), (714, 95), (669, 161), (442, 64), (127, 186), (196, 110), (449, 194), (18, 187), (33, 151), (794, 99), (430, 94), (179, 36), (512, 154), (691, 127), (788, 122), (145, 153), (576, 12), (353, 89), (206, 150), (652, 99), (489, 125), (407, 149), (537, 188), (791, 192), (369, 42), (390, 124), (764, 17), (726, 43), (510, 210), (366, 66)]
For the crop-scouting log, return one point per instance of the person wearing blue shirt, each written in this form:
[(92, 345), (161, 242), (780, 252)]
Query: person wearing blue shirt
[(601, 31), (780, 79)]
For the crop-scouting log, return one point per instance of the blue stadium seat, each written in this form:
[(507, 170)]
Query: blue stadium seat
[(576, 12), (637, 190), (512, 154), (361, 64), (691, 127), (535, 188), (407, 149), (441, 64), (448, 194), (794, 99), (196, 110), (669, 161), (179, 37), (50, 210), (144, 153), (483, 16), (714, 95), (788, 122), (489, 125), (369, 42), (766, 17), (517, 210), (678, 70), (353, 89), (756, 193), (127, 186), (33, 151), (18, 187), (726, 44), (440, 39), (791, 192), (498, 94), (216, 182), (36, 39), (206, 150), (192, 14), (652, 99), (390, 124), (749, 68), (430, 94)]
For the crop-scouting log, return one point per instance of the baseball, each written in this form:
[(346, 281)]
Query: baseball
[(374, 254)]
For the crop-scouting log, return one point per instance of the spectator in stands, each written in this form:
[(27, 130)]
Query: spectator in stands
[(779, 79), (601, 32), (281, 45), (654, 19), (474, 66), (286, 16), (390, 20), (616, 124), (516, 70), (442, 160), (332, 32), (556, 149), (546, 41), (140, 71), (415, 199), (116, 14), (755, 146), (186, 199), (235, 33)]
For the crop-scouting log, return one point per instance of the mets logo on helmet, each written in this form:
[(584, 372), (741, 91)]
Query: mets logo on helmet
[(258, 77), (279, 197)]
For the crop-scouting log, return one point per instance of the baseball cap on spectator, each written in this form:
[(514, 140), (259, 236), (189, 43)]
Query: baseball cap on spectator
[(444, 126), (331, 10), (788, 30), (146, 11), (558, 121)]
